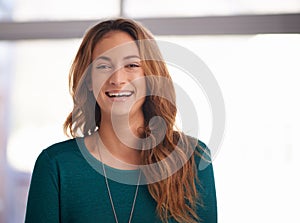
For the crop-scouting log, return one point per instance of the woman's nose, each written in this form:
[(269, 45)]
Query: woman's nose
[(118, 77)]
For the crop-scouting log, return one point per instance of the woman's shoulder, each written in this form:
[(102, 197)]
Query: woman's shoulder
[(198, 145), (61, 149), (203, 156), (203, 150), (202, 153), (200, 150)]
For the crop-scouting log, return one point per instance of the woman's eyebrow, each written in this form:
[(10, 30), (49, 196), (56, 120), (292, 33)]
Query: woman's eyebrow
[(103, 58), (109, 59), (131, 56)]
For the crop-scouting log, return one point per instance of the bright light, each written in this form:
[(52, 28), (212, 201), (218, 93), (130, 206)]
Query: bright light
[(256, 168)]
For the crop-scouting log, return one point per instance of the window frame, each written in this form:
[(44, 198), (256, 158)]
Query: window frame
[(212, 25)]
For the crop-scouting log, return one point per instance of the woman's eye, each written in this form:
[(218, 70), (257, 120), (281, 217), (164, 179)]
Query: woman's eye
[(132, 65), (103, 67)]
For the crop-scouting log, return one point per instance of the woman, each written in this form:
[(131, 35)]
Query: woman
[(125, 163)]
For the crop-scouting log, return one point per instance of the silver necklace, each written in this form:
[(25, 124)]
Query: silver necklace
[(109, 193)]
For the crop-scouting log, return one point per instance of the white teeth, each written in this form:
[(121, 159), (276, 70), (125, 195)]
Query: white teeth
[(119, 94)]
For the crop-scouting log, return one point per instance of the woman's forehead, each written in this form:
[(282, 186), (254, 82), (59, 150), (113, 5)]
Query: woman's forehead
[(114, 45)]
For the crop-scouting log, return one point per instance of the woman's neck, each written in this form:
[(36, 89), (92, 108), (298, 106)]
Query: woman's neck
[(120, 137)]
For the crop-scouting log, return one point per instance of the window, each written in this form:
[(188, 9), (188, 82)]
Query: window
[(187, 8), (27, 10), (258, 75)]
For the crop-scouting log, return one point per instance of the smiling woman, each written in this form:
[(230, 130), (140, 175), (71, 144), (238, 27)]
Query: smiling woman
[(122, 124), (116, 64)]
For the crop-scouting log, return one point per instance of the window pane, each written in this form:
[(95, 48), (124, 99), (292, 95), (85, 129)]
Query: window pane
[(5, 9), (171, 8), (40, 101), (23, 10), (259, 78)]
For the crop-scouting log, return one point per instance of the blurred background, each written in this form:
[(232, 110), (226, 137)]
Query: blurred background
[(251, 46)]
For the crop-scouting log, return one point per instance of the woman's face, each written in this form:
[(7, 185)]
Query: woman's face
[(117, 76)]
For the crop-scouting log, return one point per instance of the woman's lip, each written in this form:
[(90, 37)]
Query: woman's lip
[(119, 93)]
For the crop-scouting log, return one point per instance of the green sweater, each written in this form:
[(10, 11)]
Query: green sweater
[(66, 186)]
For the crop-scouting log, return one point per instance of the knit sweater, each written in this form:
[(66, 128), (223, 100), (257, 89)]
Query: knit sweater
[(66, 186)]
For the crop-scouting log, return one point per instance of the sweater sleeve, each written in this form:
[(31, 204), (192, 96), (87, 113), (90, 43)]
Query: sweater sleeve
[(43, 197), (207, 210)]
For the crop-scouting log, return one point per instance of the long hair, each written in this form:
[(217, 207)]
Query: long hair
[(176, 195)]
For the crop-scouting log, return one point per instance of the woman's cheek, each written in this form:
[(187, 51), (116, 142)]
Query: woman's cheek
[(98, 81)]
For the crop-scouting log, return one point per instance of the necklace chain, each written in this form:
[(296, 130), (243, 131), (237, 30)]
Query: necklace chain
[(110, 196)]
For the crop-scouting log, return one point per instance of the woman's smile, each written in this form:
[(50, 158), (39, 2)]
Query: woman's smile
[(119, 95)]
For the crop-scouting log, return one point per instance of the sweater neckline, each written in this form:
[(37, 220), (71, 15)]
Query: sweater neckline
[(85, 150), (119, 175)]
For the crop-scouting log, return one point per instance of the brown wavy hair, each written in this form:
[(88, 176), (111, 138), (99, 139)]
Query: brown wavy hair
[(176, 195)]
